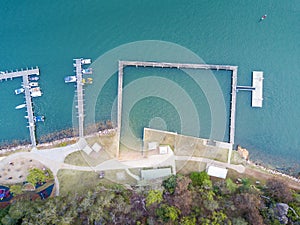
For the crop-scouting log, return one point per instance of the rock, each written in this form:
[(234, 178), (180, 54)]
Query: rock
[(243, 152), (281, 211)]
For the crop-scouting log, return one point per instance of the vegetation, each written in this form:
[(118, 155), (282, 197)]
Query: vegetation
[(183, 200), (16, 189), (35, 176)]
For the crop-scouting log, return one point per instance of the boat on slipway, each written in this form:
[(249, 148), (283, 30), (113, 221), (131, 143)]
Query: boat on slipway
[(20, 106), (19, 91)]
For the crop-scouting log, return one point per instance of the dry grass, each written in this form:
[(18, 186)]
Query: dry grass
[(186, 145), (186, 167), (72, 181), (80, 158), (236, 158)]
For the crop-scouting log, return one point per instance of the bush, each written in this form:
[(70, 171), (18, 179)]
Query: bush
[(170, 184), (200, 179), (35, 176)]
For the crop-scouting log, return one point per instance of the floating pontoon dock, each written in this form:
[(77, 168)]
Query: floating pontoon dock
[(256, 88), (25, 75), (123, 64), (257, 83)]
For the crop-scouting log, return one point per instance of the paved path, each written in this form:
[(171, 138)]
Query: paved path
[(54, 160)]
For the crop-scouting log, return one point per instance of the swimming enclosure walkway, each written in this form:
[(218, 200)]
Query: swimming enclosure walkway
[(25, 75), (123, 64)]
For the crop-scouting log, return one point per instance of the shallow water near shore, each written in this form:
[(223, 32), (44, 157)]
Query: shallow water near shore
[(50, 34)]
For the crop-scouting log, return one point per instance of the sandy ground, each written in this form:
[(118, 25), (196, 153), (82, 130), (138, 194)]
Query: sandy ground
[(17, 171)]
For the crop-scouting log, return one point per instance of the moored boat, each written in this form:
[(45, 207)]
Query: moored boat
[(89, 80), (33, 84), (39, 118), (36, 94), (35, 89), (86, 61), (19, 91), (20, 106), (70, 79), (34, 78), (87, 71)]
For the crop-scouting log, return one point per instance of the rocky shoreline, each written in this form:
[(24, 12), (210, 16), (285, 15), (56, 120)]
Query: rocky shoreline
[(244, 153), (58, 137)]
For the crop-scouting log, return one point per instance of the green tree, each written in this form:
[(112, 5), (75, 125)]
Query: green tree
[(16, 189), (170, 183), (168, 213), (154, 196), (188, 220), (7, 220), (201, 179), (36, 175)]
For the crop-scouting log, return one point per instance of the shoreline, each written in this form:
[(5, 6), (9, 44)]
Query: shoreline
[(272, 171), (250, 164)]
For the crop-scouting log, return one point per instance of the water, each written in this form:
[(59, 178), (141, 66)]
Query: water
[(50, 34)]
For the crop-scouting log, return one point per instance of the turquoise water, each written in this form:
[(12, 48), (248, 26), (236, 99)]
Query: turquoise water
[(50, 34)]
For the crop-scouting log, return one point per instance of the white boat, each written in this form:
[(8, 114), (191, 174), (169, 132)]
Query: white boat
[(86, 61), (19, 91), (35, 89), (36, 94), (33, 84), (21, 106), (34, 78), (87, 71), (70, 79)]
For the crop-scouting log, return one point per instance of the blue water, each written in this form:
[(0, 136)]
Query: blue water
[(50, 34)]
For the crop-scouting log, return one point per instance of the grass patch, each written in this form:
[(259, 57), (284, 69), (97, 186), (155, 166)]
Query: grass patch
[(77, 158), (236, 158), (186, 167), (80, 158), (73, 181)]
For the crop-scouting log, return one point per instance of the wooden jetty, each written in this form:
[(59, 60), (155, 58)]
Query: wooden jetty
[(123, 64), (25, 75), (79, 90)]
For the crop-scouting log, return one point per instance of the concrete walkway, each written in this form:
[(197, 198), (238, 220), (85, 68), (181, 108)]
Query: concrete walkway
[(54, 160)]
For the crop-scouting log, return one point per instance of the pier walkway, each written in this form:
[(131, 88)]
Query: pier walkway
[(123, 64), (25, 75), (5, 75), (79, 90), (30, 116)]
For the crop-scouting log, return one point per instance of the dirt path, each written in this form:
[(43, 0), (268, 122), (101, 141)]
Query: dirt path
[(263, 175)]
